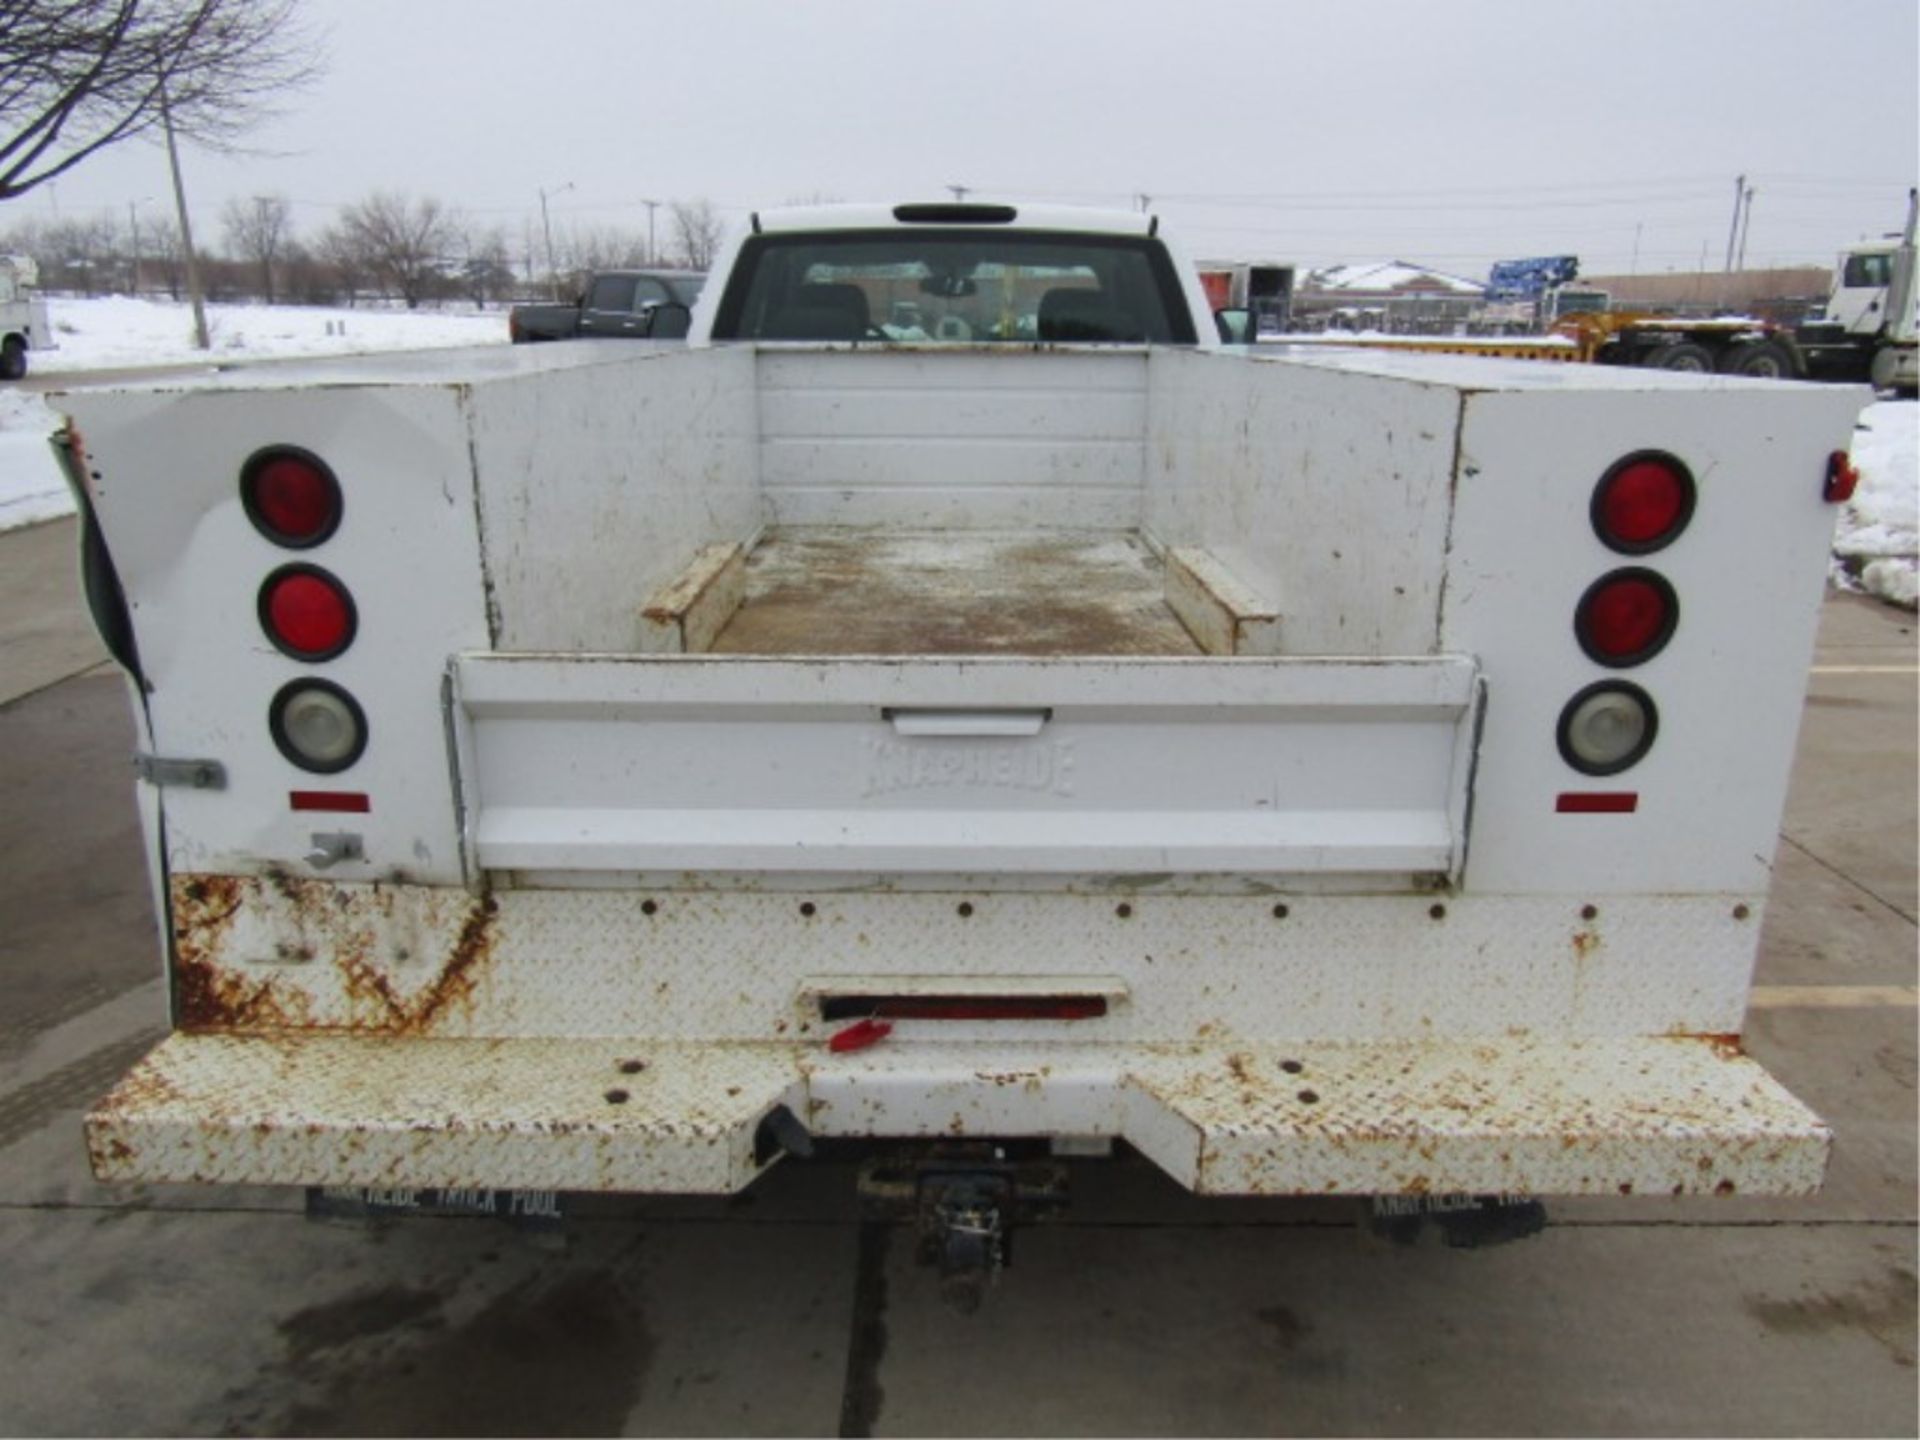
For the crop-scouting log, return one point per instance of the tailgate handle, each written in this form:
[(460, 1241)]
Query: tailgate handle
[(948, 723)]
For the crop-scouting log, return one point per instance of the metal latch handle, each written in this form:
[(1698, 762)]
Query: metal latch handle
[(1001, 723), (193, 774), (330, 848)]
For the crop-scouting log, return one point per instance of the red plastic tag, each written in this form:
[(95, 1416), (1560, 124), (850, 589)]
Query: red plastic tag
[(859, 1035), (1842, 478)]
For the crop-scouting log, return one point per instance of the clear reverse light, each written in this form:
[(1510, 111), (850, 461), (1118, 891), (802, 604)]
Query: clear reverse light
[(1607, 728)]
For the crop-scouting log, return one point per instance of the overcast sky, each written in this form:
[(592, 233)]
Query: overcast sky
[(1451, 133)]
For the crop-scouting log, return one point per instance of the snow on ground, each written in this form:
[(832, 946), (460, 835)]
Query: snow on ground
[(1875, 548), (1878, 540), (30, 487), (115, 332)]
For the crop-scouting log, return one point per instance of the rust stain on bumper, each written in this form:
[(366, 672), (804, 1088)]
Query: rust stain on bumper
[(377, 1003), (206, 994), (275, 952)]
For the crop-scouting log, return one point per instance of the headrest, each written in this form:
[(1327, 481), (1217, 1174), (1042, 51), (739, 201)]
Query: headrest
[(1081, 314), (820, 312)]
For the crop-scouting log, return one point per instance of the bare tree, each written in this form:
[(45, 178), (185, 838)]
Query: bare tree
[(79, 75), (405, 242), (26, 237), (258, 230), (305, 279), (160, 244), (340, 250), (697, 229), (78, 254), (584, 249), (486, 273)]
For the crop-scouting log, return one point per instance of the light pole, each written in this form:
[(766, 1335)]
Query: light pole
[(194, 289), (652, 254), (1733, 229), (133, 224), (546, 226)]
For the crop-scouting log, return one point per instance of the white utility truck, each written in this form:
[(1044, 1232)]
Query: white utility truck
[(23, 315), (611, 767)]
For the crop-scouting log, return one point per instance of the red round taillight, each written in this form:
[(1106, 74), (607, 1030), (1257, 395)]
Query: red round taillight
[(307, 613), (1643, 503), (1626, 617), (291, 497)]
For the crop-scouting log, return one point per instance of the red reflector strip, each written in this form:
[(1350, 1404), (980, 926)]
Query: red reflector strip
[(977, 1007), (343, 802), (964, 1007), (1619, 802)]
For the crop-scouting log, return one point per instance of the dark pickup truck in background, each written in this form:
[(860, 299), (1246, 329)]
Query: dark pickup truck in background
[(624, 304)]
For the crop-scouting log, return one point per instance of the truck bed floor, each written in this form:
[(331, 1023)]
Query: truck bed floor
[(837, 591)]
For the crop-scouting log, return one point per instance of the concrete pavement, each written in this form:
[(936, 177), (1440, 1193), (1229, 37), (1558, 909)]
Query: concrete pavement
[(1148, 1312)]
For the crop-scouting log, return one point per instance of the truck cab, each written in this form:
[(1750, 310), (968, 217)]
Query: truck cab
[(970, 273), (614, 304), (1857, 303), (1867, 327), (623, 302)]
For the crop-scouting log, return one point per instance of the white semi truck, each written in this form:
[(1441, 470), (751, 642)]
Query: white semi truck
[(615, 767)]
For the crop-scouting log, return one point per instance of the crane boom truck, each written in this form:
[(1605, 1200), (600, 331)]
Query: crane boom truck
[(581, 768)]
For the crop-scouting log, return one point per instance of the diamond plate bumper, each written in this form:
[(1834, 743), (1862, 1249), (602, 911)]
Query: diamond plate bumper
[(1670, 1115)]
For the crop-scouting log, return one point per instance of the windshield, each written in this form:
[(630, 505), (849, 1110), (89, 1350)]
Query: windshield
[(955, 287)]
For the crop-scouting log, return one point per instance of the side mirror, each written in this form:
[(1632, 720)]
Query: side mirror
[(1235, 326), (669, 320)]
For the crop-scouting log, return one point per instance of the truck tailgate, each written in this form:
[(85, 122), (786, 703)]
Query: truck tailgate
[(639, 763)]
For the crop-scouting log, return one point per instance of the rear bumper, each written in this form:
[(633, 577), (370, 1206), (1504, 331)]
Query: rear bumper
[(1672, 1115)]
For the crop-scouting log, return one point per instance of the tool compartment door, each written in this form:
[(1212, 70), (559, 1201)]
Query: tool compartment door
[(652, 763)]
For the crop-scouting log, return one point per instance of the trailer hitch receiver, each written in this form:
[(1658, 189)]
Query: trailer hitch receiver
[(965, 1201)]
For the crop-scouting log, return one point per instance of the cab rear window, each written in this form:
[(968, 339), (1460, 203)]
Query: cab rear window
[(962, 287)]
